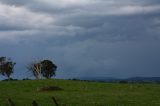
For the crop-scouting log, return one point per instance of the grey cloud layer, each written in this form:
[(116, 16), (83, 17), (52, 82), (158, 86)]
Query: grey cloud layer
[(84, 37)]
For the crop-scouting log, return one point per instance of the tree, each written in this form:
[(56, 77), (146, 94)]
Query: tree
[(6, 67), (44, 68), (48, 68), (35, 68)]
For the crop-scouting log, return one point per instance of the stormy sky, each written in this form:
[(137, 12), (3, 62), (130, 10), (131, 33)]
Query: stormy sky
[(85, 38)]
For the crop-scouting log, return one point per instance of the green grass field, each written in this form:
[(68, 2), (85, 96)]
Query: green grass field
[(79, 93)]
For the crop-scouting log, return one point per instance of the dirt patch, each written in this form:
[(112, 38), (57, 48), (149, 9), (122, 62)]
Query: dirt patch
[(49, 88)]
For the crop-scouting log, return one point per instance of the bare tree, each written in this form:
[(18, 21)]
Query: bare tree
[(35, 68)]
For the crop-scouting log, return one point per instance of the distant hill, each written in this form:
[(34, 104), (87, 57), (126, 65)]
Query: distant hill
[(131, 79), (143, 79)]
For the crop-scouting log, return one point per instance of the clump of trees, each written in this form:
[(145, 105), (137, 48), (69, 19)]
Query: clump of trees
[(40, 69), (6, 67), (44, 68)]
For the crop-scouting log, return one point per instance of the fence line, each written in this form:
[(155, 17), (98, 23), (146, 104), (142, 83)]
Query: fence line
[(10, 102), (53, 98), (34, 103)]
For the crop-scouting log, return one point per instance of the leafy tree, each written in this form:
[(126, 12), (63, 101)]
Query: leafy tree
[(6, 67), (48, 68)]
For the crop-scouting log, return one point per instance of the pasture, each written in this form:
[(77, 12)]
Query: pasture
[(79, 93)]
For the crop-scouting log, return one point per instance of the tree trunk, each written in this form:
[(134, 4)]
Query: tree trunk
[(9, 78)]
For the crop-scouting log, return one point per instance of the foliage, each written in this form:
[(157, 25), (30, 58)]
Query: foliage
[(48, 68), (6, 66)]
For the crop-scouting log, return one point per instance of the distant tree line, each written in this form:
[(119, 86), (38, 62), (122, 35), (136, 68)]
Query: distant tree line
[(39, 69)]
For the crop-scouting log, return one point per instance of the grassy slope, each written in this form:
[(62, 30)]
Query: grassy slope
[(77, 93)]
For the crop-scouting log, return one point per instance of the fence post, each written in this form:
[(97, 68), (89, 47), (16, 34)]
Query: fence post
[(54, 100), (11, 103), (34, 103)]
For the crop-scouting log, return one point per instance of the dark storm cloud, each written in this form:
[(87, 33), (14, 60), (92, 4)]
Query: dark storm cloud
[(85, 38)]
